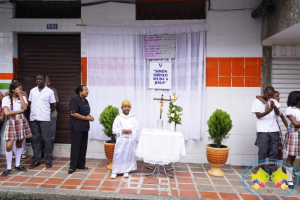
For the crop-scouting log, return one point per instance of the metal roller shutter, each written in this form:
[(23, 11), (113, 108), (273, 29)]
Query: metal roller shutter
[(58, 56), (285, 72)]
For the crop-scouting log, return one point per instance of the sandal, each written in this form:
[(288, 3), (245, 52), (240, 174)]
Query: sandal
[(71, 171)]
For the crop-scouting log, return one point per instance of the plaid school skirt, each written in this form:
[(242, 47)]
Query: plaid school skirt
[(17, 128), (292, 142), (280, 138)]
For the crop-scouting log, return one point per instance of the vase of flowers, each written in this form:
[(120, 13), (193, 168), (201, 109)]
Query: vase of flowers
[(174, 113)]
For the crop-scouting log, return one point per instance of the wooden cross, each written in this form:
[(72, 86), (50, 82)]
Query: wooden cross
[(161, 101)]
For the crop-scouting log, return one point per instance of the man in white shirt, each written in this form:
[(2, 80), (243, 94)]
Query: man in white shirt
[(266, 126), (42, 100)]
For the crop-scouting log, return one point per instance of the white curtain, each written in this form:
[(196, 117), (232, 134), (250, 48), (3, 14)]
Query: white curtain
[(117, 71)]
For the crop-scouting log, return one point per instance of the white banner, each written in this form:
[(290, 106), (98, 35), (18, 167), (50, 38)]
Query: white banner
[(160, 75)]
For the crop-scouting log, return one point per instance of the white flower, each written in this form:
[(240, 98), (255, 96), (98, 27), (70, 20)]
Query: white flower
[(173, 108), (174, 103), (172, 115), (177, 113), (172, 97)]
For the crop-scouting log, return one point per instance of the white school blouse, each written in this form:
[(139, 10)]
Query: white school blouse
[(17, 105), (292, 111), (267, 123)]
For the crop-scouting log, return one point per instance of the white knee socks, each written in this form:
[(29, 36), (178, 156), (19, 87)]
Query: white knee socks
[(18, 156), (289, 170), (8, 159)]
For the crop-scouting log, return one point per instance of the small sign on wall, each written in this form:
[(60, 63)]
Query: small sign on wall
[(160, 75), (52, 26), (159, 46)]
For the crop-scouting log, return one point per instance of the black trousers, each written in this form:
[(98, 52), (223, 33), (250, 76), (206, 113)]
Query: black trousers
[(265, 140), (79, 141), (41, 132)]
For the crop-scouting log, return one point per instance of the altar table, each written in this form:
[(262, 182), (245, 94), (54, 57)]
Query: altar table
[(160, 147)]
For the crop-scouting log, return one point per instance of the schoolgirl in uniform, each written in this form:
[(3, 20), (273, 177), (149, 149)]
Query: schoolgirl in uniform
[(291, 145), (17, 127)]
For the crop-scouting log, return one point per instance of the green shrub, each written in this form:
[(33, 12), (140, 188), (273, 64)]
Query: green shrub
[(107, 118), (219, 125)]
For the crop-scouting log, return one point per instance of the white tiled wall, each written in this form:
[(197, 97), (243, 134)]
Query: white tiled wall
[(231, 34)]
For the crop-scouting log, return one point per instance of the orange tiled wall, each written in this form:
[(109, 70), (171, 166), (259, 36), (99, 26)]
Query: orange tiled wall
[(233, 72)]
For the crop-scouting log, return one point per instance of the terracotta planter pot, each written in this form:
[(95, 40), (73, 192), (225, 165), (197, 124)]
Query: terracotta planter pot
[(109, 152), (217, 157)]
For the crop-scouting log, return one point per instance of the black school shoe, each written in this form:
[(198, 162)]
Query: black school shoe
[(21, 168), (34, 165), (291, 184), (48, 164), (6, 172)]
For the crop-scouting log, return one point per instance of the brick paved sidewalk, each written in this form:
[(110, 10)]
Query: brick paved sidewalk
[(190, 180)]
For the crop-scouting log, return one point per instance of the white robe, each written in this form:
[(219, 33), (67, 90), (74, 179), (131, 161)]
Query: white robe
[(124, 159)]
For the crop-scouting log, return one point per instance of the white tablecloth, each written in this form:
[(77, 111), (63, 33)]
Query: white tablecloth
[(160, 146)]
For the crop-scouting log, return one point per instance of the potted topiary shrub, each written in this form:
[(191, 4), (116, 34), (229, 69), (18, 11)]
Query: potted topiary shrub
[(107, 118), (219, 125)]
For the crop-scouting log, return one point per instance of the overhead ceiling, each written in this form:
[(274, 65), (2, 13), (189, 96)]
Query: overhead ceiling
[(290, 35)]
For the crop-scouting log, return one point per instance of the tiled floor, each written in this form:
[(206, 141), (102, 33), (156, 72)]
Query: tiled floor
[(190, 180)]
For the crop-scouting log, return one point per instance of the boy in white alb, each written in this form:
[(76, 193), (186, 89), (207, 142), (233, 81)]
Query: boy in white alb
[(125, 128), (267, 129)]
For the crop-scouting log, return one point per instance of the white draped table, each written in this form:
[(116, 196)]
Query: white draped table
[(160, 147)]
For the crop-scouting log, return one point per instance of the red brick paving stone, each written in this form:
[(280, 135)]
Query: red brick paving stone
[(150, 186), (29, 162), (73, 182), (164, 193), (186, 187), (57, 163), (96, 176), (153, 192), (68, 187), (11, 184), (151, 181), (228, 195), (183, 174), (38, 168), (128, 191), (4, 178), (78, 175), (172, 180), (135, 180), (101, 166), (173, 185), (249, 197), (190, 194), (135, 176), (103, 171), (88, 188), (174, 193), (164, 186), (164, 181), (289, 198), (123, 184), (19, 179), (54, 181), (185, 180), (64, 159), (92, 182), (43, 173), (48, 186), (108, 188), (211, 195), (29, 185), (53, 168), (36, 180), (133, 185), (199, 175), (111, 183), (269, 197)]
